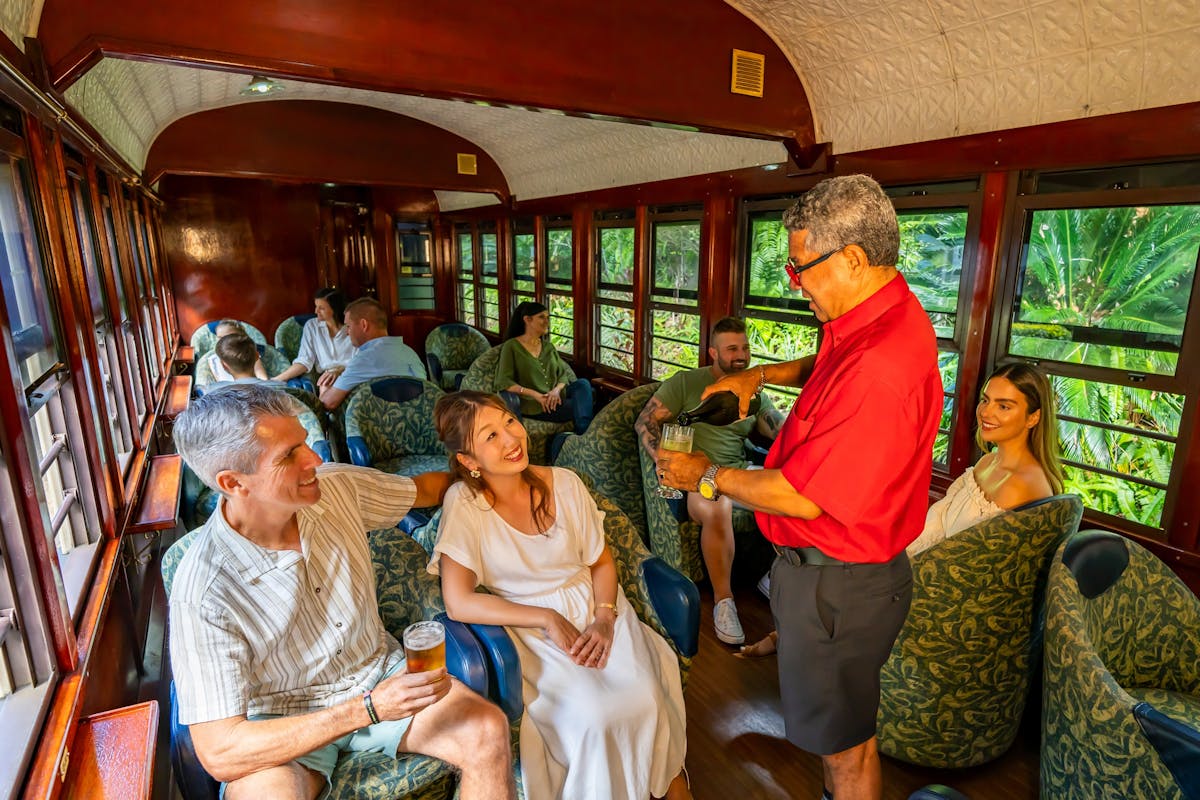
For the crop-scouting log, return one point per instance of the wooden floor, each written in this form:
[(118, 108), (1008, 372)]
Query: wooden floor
[(736, 749)]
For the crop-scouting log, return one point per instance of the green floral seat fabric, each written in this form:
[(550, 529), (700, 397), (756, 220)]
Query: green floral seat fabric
[(288, 334), (399, 437), (371, 776), (1137, 641), (958, 677), (480, 377), (274, 362), (456, 347), (204, 337)]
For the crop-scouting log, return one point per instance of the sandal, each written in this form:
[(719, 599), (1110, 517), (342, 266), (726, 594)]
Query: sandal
[(764, 647)]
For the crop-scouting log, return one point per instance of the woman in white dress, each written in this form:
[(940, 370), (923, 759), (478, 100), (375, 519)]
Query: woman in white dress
[(325, 344), (1018, 433), (604, 715)]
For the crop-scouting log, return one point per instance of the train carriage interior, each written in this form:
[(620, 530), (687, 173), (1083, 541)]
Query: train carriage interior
[(173, 163)]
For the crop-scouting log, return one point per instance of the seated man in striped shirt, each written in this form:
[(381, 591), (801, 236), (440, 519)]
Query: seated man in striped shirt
[(281, 662)]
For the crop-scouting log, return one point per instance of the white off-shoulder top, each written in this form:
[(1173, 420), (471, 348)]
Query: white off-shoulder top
[(963, 506)]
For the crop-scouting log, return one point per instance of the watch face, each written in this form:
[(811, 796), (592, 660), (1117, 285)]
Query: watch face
[(706, 491)]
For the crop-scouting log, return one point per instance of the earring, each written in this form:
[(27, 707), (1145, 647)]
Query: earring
[(474, 473)]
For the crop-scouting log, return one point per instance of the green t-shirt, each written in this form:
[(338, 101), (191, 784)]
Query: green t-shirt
[(722, 444), (518, 365)]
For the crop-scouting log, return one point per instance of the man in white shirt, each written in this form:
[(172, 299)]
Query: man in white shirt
[(378, 355), (281, 661)]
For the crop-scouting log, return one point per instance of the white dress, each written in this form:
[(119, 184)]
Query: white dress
[(963, 506), (586, 734)]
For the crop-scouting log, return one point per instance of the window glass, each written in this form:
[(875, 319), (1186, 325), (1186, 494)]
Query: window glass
[(414, 283), (615, 328), (1108, 287), (674, 342), (489, 282), (524, 264), (931, 255), (35, 337), (677, 258), (674, 307), (562, 323), (559, 247), (466, 277)]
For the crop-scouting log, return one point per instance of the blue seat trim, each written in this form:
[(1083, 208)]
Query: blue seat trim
[(435, 368), (504, 669), (1177, 744), (193, 780), (302, 319), (676, 600), (412, 521), (322, 449), (465, 658), (359, 454), (302, 383), (936, 791)]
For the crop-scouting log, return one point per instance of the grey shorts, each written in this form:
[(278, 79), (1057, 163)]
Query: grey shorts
[(382, 737), (836, 628)]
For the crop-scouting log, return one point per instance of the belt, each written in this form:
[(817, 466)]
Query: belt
[(811, 556)]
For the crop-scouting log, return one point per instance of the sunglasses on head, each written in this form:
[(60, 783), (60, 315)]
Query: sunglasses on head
[(794, 267)]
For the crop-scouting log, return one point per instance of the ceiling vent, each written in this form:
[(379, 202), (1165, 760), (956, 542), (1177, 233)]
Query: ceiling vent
[(748, 71), (467, 164)]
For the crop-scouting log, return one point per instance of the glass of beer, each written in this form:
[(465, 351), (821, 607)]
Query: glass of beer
[(679, 439), (425, 646)]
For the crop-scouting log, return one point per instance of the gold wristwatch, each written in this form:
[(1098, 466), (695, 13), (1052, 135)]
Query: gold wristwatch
[(708, 483)]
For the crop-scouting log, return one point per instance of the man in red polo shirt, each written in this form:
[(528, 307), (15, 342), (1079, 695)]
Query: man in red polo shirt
[(846, 484)]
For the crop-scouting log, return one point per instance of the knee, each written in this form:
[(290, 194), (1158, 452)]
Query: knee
[(488, 730)]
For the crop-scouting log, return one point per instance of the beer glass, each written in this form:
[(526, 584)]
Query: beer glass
[(425, 646), (679, 439)]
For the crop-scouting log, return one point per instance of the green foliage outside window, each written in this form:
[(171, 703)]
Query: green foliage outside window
[(466, 302), (559, 246), (614, 321), (676, 257), (524, 263), (562, 325)]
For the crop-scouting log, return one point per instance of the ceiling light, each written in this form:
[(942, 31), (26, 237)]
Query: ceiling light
[(260, 85), (770, 167)]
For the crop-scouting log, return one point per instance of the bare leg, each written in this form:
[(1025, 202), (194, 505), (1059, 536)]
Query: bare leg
[(854, 774), (470, 733), (291, 781), (716, 540), (679, 789)]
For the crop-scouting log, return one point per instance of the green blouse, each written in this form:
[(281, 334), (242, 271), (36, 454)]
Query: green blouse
[(541, 373)]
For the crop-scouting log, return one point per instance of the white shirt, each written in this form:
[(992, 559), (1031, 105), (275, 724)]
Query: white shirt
[(258, 631), (321, 351)]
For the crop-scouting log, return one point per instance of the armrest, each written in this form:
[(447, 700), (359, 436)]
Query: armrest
[(359, 454), (412, 520), (504, 669), (676, 600), (194, 781), (302, 383), (435, 368), (465, 658), (1177, 744), (323, 449), (112, 754)]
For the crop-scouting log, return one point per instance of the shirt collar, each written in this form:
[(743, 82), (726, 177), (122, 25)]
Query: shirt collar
[(251, 561), (890, 294)]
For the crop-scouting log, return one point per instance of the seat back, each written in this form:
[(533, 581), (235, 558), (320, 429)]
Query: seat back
[(481, 375), (958, 677), (205, 336), (1120, 627), (288, 334), (274, 362), (454, 347), (393, 419)]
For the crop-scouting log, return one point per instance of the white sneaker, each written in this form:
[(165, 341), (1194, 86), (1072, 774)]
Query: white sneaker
[(764, 585), (725, 620)]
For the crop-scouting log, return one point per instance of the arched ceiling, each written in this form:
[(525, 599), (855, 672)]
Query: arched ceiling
[(541, 154), (882, 73)]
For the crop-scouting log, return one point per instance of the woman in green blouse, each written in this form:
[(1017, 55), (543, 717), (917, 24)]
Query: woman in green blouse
[(532, 376)]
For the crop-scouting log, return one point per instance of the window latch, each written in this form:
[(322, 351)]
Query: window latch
[(8, 622)]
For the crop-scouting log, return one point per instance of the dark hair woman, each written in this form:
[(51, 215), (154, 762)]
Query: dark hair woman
[(604, 713), (325, 346), (533, 378)]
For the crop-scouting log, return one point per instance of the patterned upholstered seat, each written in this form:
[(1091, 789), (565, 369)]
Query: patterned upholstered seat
[(480, 377), (957, 680), (1122, 669), (390, 427), (406, 593), (613, 458), (274, 362), (288, 334), (449, 350), (204, 337)]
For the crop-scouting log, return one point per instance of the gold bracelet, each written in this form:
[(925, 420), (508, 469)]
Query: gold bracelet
[(609, 606), (762, 379)]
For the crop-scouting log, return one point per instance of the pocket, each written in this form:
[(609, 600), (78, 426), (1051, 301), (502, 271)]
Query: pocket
[(825, 611)]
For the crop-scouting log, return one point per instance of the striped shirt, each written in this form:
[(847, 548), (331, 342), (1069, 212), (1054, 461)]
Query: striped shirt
[(258, 631)]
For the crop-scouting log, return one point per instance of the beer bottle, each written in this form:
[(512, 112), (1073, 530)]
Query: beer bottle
[(719, 409)]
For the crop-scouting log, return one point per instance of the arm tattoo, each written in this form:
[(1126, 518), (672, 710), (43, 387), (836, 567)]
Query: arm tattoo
[(649, 424), (770, 423)]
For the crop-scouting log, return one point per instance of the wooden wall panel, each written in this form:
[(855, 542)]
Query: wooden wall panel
[(240, 248)]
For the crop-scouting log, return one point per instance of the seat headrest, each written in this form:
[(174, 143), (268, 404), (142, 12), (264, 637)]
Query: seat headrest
[(398, 390), (1096, 559), (300, 319)]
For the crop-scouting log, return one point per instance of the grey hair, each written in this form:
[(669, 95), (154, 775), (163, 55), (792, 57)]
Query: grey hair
[(217, 430), (850, 209)]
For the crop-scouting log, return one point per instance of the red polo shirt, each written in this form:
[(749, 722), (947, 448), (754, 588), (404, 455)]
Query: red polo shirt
[(859, 439)]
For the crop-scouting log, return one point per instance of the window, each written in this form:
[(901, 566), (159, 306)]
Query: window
[(616, 260), (524, 265), (1100, 301), (134, 354), (674, 285), (149, 305), (414, 281), (489, 279), (559, 280), (112, 385), (466, 275)]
